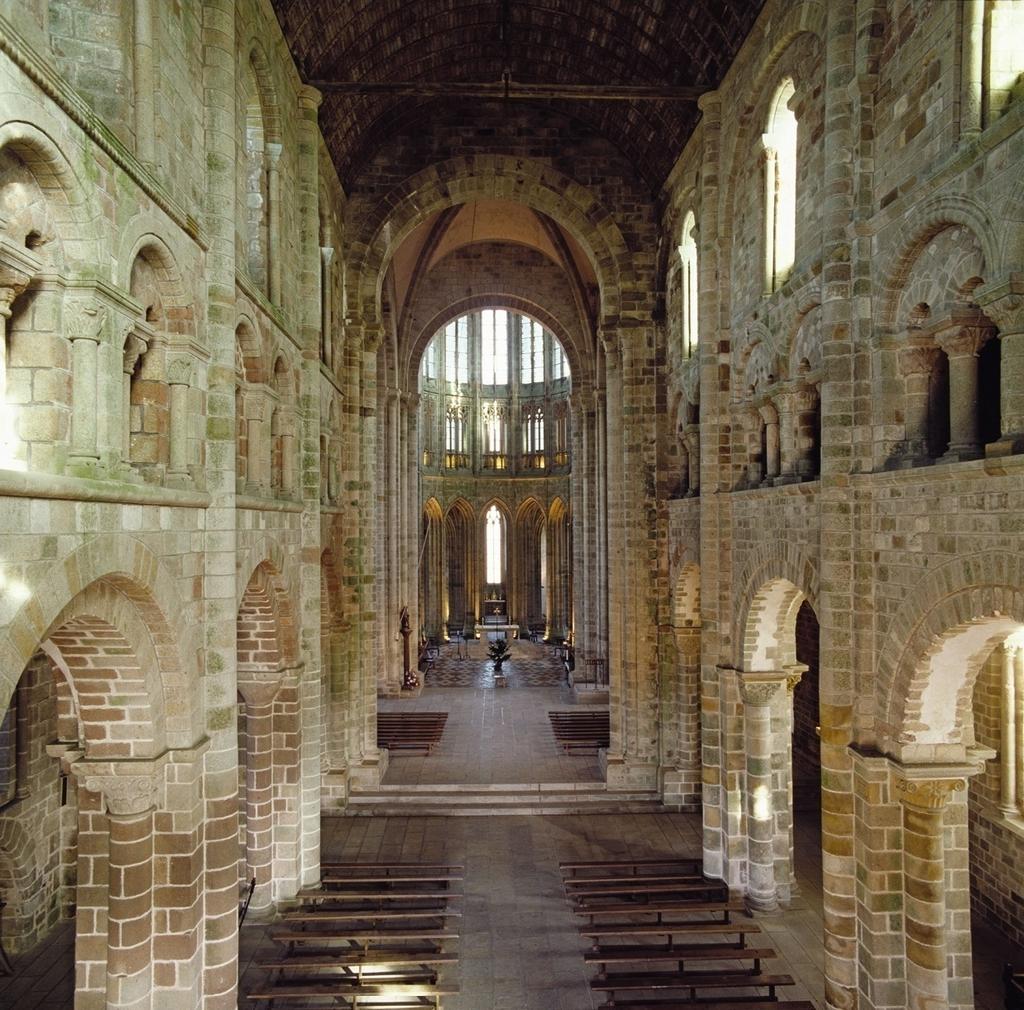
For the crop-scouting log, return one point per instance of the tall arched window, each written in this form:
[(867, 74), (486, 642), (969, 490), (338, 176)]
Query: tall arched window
[(456, 351), (493, 545), (688, 256), (780, 187), (494, 347), (531, 349)]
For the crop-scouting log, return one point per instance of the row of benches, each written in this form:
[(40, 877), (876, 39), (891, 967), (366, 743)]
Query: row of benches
[(372, 935), (410, 730), (579, 729), (661, 935)]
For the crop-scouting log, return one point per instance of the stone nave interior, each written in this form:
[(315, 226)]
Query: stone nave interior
[(680, 342)]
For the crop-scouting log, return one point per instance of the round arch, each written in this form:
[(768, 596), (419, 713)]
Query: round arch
[(935, 646), (462, 180)]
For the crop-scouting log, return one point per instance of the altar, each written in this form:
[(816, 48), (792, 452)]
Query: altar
[(509, 629)]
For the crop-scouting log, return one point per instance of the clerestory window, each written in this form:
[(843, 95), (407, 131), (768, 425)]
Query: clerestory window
[(780, 149)]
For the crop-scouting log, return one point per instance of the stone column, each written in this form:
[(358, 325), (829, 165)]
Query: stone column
[(84, 324), (1013, 670), (1004, 305), (144, 83), (759, 691), (288, 461), (13, 280), (807, 432), (923, 800), (259, 786), (326, 307), (220, 592), (134, 348), (691, 439), (916, 362), (180, 384), (274, 250), (130, 795), (785, 401), (962, 343), (972, 72), (598, 467), (770, 419)]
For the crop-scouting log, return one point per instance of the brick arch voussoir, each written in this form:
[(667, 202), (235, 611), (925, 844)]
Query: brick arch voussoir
[(461, 180), (128, 566), (767, 564), (264, 583), (923, 223), (962, 592)]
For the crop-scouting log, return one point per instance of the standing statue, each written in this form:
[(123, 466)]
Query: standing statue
[(410, 676)]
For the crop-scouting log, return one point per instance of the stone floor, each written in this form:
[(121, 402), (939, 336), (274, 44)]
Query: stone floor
[(466, 665), (493, 735)]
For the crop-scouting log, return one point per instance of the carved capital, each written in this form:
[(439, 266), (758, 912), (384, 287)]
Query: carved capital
[(134, 348), (273, 153), (84, 320), (128, 787), (179, 372), (794, 674), (760, 688), (326, 254), (965, 337), (927, 794), (918, 359), (17, 268), (1004, 304), (309, 98)]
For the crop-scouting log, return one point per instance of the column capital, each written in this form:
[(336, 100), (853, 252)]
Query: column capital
[(964, 337), (17, 268), (128, 788), (134, 347), (794, 674), (84, 320), (759, 687), (327, 254), (710, 103), (308, 98), (929, 786), (1003, 303), (917, 358), (273, 152)]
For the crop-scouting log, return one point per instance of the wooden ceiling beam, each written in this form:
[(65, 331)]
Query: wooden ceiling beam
[(501, 89)]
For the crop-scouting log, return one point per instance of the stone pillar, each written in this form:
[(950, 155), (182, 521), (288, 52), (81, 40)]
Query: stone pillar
[(144, 83), (326, 307), (807, 434), (972, 72), (598, 467), (916, 362), (785, 401), (288, 461), (923, 800), (759, 691), (1013, 670), (130, 910), (1004, 305), (770, 419), (274, 250), (13, 280), (84, 324), (179, 377), (962, 343), (259, 787), (134, 348), (691, 439), (220, 593)]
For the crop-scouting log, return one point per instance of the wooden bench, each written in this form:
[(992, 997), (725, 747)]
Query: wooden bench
[(672, 907), (723, 1004), (574, 885), (685, 865), (333, 877), (345, 996), (361, 938), (631, 954), (387, 896), (385, 868), (410, 730), (643, 892), (690, 981), (367, 915), (671, 929), (1013, 988), (577, 730)]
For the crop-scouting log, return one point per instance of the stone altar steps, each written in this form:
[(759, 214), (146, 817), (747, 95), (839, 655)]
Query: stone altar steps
[(490, 800)]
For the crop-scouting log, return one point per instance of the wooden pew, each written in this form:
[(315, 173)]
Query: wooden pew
[(620, 954), (1013, 988), (634, 894), (344, 997), (366, 939), (718, 1004), (685, 865), (328, 915), (385, 868), (674, 907), (410, 730), (578, 730), (689, 983), (669, 930)]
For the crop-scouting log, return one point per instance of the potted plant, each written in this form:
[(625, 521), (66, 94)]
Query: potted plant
[(499, 651)]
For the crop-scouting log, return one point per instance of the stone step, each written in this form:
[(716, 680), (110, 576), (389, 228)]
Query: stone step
[(519, 799)]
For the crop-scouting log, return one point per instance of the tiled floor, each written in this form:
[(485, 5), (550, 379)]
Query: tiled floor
[(467, 665)]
